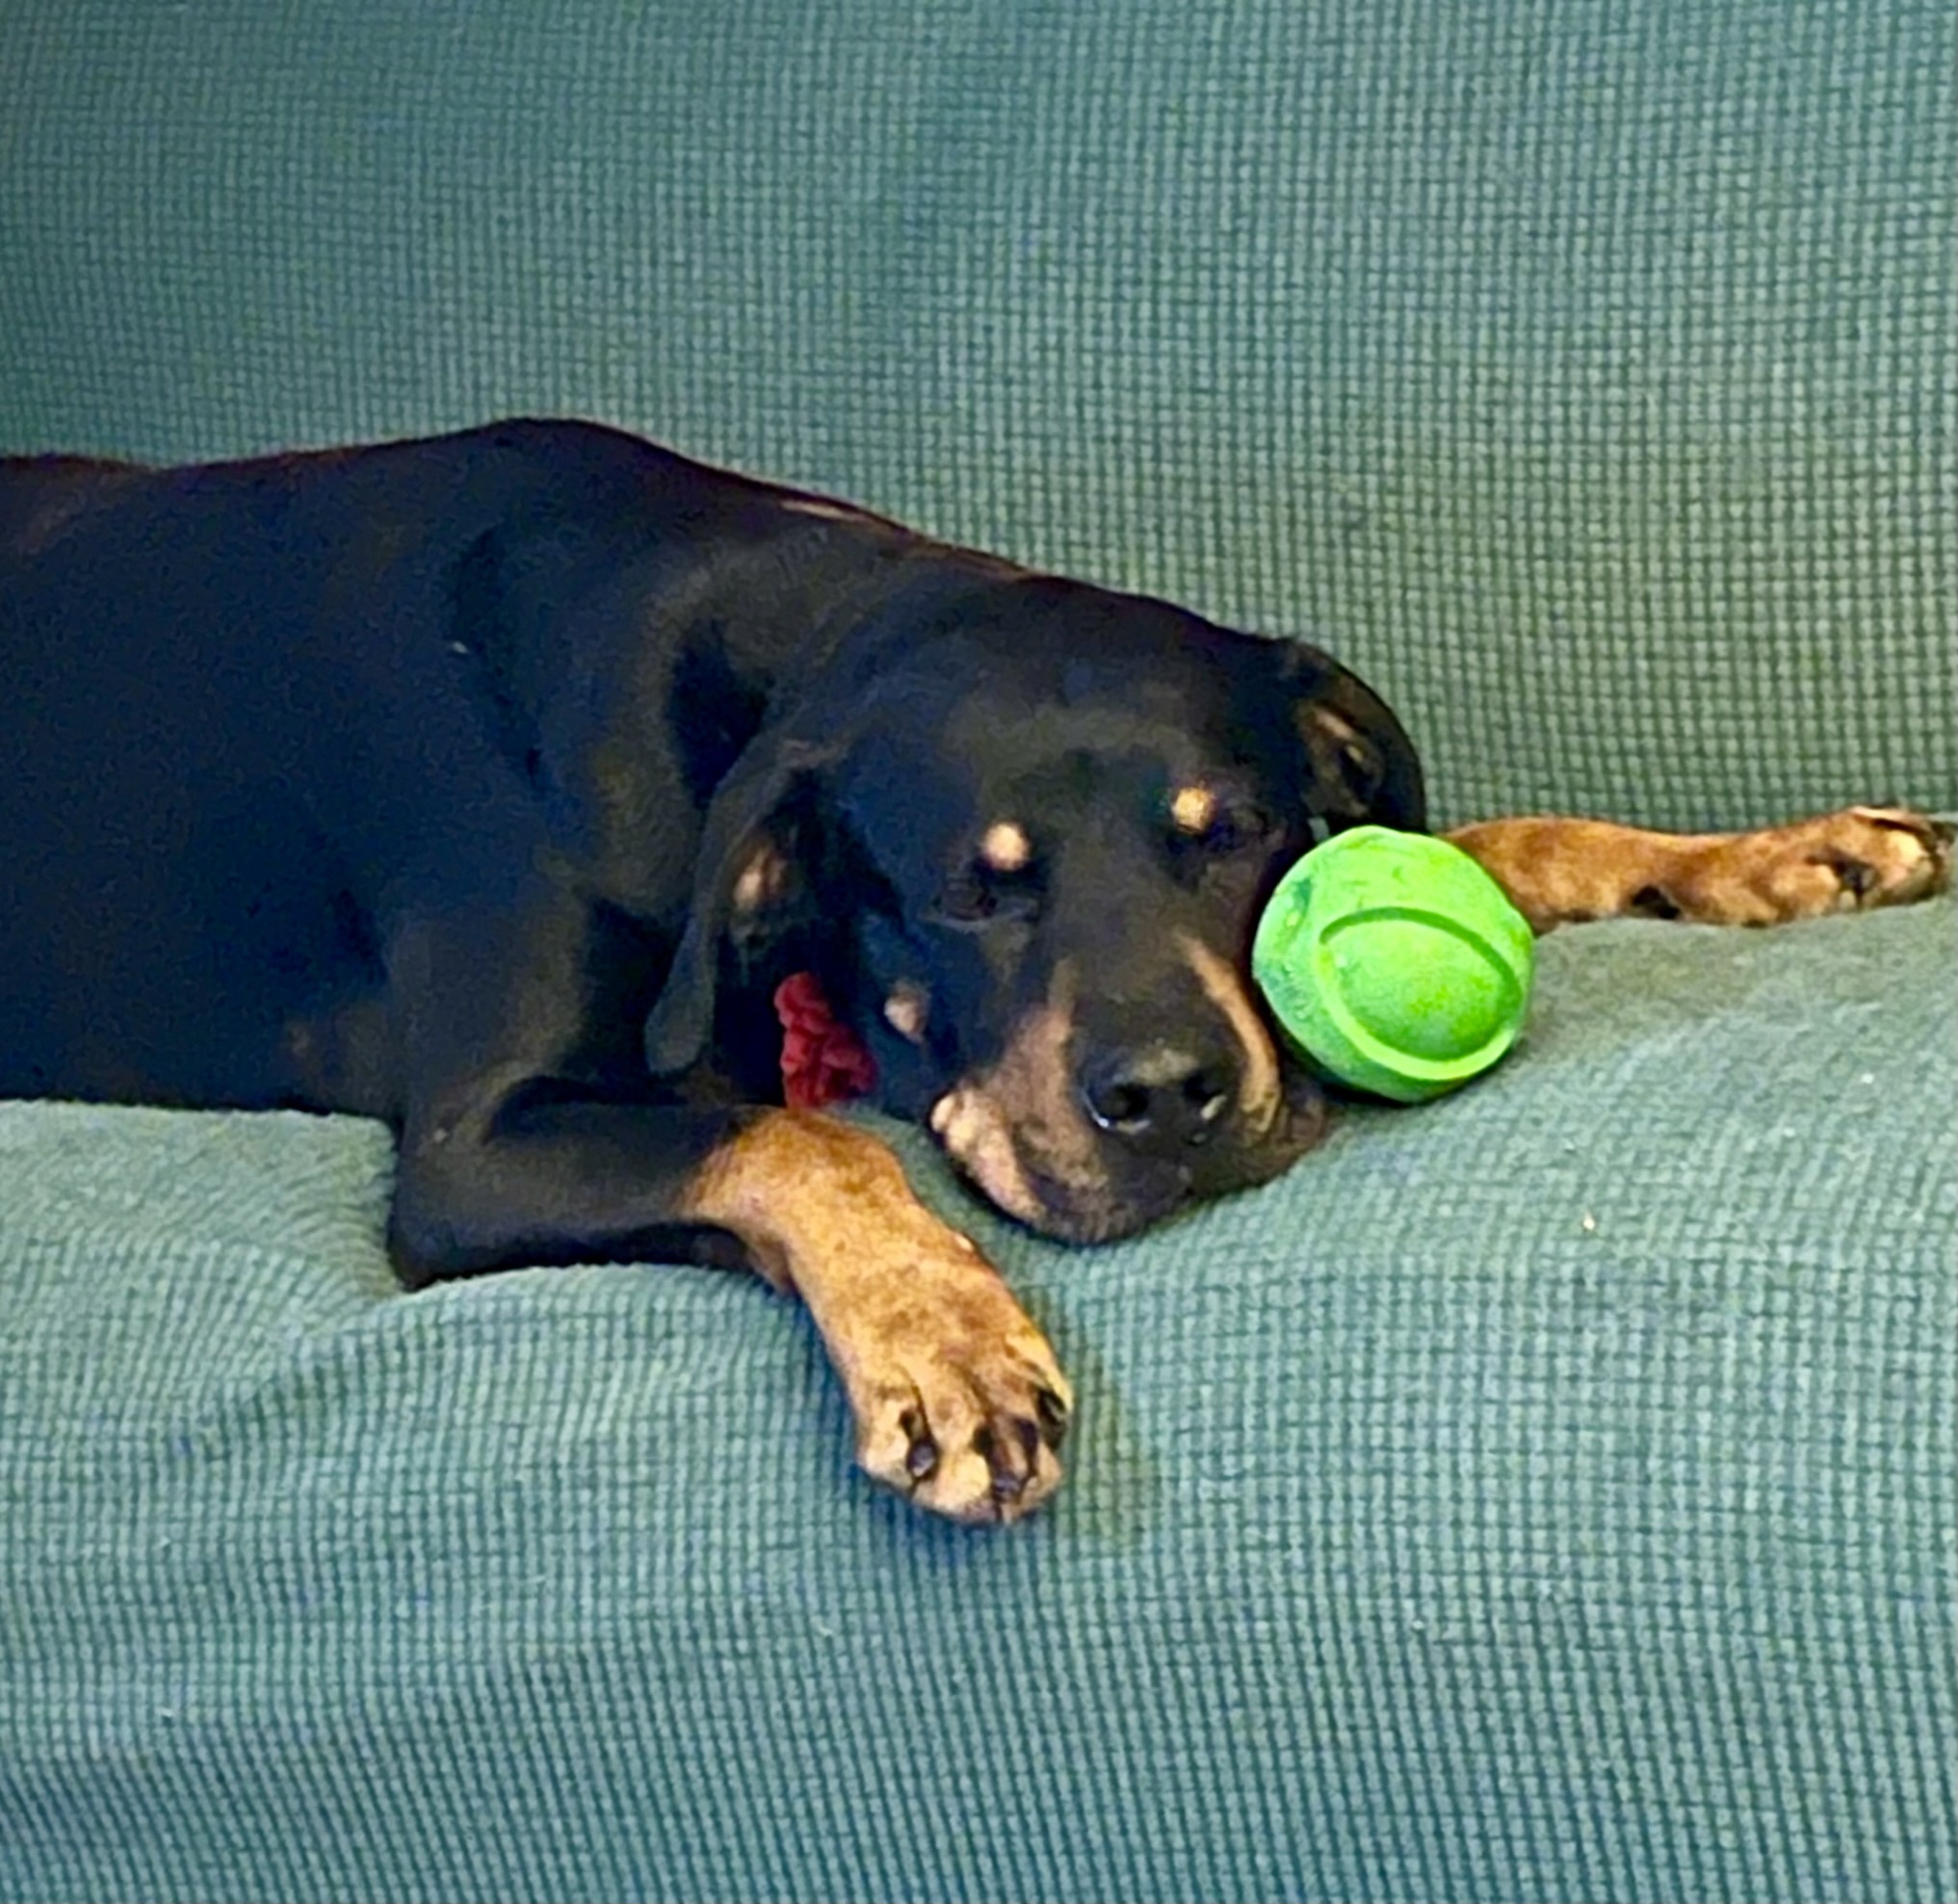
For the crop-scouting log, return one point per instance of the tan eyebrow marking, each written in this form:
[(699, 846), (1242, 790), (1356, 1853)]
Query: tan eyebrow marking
[(1194, 809), (1005, 846)]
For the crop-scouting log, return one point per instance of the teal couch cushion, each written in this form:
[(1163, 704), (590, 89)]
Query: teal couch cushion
[(1542, 1493)]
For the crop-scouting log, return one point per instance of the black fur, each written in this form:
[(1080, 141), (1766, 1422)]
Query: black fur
[(418, 781)]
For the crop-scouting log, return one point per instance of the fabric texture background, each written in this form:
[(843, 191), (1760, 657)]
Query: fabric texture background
[(1544, 1494), (1584, 373)]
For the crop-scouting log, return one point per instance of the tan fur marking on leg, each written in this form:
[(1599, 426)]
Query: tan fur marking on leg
[(956, 1395), (1561, 871)]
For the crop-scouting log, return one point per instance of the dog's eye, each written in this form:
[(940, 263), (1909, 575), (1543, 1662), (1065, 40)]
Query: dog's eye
[(978, 893), (1229, 828)]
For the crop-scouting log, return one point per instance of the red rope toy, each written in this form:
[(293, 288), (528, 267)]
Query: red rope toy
[(824, 1061)]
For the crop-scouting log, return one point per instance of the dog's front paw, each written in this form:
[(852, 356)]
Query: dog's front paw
[(958, 1399)]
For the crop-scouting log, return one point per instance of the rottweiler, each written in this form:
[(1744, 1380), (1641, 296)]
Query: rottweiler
[(496, 784)]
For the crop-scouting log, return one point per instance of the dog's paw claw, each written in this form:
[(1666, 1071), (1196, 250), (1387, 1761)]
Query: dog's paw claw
[(967, 1408), (921, 1457), (1889, 855)]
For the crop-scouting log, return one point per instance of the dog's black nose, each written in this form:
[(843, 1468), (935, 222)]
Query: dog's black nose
[(1160, 1097)]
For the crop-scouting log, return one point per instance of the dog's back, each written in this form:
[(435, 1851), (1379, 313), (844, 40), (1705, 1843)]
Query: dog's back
[(149, 768), (222, 691)]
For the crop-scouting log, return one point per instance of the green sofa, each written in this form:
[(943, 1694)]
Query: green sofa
[(1544, 1494)]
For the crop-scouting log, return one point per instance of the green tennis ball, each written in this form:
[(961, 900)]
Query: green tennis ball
[(1396, 964)]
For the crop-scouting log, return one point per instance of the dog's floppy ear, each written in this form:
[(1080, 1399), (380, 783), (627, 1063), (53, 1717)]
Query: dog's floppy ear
[(749, 885), (1360, 765)]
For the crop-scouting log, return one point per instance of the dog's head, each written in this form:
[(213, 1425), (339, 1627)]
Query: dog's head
[(1025, 831)]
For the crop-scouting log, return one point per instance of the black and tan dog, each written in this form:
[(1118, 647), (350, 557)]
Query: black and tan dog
[(491, 784)]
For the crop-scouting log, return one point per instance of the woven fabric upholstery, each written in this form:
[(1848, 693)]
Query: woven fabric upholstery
[(1545, 1493), (1584, 372)]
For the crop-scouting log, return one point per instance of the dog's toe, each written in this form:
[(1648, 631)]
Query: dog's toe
[(972, 1429), (1854, 860), (1883, 856)]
